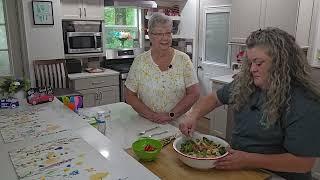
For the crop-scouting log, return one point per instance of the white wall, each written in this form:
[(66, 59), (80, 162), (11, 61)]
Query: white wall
[(41, 42)]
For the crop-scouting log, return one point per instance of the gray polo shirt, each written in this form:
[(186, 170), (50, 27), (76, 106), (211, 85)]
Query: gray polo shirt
[(296, 133)]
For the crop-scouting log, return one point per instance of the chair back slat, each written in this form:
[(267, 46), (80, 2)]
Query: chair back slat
[(43, 76), (59, 75), (54, 72), (51, 73)]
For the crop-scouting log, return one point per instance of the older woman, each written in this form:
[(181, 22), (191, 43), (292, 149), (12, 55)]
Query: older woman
[(277, 108), (162, 84)]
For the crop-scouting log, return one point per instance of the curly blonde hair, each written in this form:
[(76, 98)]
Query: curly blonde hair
[(289, 67)]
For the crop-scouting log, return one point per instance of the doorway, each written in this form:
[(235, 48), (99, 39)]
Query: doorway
[(213, 45)]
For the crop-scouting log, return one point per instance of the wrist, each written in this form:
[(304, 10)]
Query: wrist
[(172, 115)]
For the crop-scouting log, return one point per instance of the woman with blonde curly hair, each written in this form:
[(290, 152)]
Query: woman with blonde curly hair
[(276, 108)]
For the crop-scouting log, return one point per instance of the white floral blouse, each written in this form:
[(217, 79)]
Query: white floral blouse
[(161, 90)]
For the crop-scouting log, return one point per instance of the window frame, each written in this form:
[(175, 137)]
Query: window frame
[(5, 25), (135, 27), (14, 41)]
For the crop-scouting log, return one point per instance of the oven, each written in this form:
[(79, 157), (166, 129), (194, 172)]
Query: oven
[(123, 78), (123, 67)]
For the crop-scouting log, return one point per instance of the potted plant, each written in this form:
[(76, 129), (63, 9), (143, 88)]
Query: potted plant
[(11, 87)]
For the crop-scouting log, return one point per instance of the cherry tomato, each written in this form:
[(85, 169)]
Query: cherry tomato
[(149, 148)]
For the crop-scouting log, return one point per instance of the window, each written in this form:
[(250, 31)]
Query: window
[(216, 35), (121, 28), (4, 52)]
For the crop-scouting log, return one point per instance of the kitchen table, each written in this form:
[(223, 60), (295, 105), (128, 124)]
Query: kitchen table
[(105, 153)]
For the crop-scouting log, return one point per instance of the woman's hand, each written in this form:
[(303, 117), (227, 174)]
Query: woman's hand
[(233, 161), (188, 124)]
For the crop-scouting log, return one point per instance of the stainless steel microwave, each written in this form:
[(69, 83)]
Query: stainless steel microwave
[(84, 42)]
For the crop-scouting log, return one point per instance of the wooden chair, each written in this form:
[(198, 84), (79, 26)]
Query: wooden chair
[(53, 73)]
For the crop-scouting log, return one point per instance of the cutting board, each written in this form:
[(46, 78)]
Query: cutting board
[(168, 166)]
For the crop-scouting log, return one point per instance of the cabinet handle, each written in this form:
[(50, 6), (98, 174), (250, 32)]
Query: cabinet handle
[(94, 83), (80, 12), (97, 96), (85, 12), (100, 95)]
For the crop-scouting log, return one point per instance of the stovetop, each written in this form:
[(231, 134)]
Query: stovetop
[(120, 65)]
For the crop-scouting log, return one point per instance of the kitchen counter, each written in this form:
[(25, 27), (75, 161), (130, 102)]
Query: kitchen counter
[(222, 79), (126, 124), (123, 130), (89, 75), (105, 153)]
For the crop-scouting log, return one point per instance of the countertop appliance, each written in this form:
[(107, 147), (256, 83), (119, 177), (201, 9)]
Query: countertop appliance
[(73, 66), (84, 42), (82, 37)]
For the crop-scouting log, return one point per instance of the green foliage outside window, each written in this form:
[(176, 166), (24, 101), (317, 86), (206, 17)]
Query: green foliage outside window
[(121, 27)]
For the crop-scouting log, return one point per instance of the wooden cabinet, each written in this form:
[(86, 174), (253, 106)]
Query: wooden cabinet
[(98, 90), (293, 16), (83, 9)]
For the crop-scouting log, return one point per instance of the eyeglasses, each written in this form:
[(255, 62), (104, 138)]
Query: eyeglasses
[(167, 34)]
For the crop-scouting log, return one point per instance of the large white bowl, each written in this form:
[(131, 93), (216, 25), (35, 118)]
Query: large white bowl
[(198, 163)]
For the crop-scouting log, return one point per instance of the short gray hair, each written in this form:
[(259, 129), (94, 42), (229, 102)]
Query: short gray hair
[(158, 19)]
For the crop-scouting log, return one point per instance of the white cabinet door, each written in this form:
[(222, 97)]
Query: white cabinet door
[(245, 18), (282, 14), (93, 9), (219, 116), (71, 9), (316, 169), (304, 22), (90, 97), (219, 124), (108, 95)]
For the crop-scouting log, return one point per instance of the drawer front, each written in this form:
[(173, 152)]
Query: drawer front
[(95, 82), (90, 97)]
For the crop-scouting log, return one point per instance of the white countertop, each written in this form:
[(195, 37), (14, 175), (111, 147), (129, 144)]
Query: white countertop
[(222, 79), (126, 124), (83, 75), (105, 153)]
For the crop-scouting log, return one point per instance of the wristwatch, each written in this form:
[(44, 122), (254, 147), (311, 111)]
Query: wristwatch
[(171, 114)]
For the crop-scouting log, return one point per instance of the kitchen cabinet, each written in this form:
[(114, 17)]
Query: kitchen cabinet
[(221, 118), (82, 9), (96, 89), (293, 16), (245, 18)]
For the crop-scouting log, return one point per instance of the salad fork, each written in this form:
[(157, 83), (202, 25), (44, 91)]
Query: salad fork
[(147, 130), (155, 134)]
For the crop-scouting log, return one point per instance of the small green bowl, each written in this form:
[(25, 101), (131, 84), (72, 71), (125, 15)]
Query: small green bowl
[(139, 145)]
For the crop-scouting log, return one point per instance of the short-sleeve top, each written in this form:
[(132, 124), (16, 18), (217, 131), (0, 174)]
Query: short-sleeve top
[(296, 132), (161, 90)]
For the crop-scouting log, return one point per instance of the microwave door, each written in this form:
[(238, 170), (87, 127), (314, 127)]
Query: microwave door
[(82, 42)]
